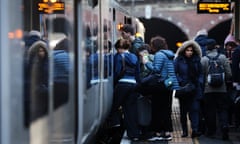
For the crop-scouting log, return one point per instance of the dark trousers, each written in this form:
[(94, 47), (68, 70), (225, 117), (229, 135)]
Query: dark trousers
[(189, 106), (125, 96), (161, 111), (216, 105)]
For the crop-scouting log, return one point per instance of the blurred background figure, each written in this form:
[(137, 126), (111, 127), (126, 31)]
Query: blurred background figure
[(215, 98), (38, 77), (61, 72), (127, 32), (201, 38)]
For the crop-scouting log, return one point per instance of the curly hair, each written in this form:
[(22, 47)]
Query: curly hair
[(158, 43)]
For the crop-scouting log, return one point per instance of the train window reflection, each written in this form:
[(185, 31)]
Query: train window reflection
[(92, 56)]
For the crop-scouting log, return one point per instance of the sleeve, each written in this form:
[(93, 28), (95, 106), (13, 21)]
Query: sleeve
[(227, 68), (157, 63)]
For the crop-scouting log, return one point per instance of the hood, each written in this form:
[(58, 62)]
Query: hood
[(138, 41), (201, 40), (202, 32), (195, 45), (168, 53), (230, 38), (34, 48)]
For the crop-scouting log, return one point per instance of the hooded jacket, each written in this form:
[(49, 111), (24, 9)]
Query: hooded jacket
[(189, 69), (132, 67)]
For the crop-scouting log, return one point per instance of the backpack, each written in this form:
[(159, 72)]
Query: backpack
[(216, 73)]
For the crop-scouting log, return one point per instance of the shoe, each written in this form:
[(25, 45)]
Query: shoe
[(155, 138), (196, 134), (167, 137), (116, 125)]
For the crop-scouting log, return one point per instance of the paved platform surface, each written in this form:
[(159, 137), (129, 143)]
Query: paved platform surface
[(177, 139)]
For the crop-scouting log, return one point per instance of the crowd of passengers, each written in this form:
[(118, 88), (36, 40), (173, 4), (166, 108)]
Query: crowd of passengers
[(209, 109)]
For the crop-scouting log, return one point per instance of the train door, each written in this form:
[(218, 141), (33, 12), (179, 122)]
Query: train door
[(89, 69)]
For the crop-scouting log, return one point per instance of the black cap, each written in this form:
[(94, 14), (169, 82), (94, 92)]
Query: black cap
[(211, 43), (128, 28)]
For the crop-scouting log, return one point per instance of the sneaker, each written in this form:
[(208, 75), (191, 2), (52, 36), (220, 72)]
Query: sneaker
[(155, 138), (167, 137)]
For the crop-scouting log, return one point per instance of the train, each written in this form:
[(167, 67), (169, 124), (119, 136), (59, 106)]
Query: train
[(75, 104)]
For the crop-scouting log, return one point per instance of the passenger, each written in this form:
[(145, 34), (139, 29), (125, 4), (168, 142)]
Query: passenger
[(229, 46), (127, 32), (215, 98), (126, 74), (61, 70), (144, 121), (236, 82), (142, 51), (37, 69), (201, 38), (189, 70), (162, 99), (29, 39)]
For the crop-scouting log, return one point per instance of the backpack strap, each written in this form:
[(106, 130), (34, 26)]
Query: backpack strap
[(120, 75), (213, 58)]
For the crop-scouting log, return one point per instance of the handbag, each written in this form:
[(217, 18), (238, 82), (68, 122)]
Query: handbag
[(151, 80), (154, 83), (187, 89), (144, 110)]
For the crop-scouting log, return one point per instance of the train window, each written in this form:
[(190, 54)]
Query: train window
[(91, 37)]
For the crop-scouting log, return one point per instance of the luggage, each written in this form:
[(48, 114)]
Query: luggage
[(144, 108)]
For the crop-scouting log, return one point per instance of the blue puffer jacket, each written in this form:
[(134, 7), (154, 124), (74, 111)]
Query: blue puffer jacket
[(61, 66), (163, 64)]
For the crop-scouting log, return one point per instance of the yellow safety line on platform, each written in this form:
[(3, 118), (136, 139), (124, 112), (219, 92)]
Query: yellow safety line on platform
[(195, 141)]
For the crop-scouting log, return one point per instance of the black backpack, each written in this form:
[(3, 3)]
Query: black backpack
[(216, 73)]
